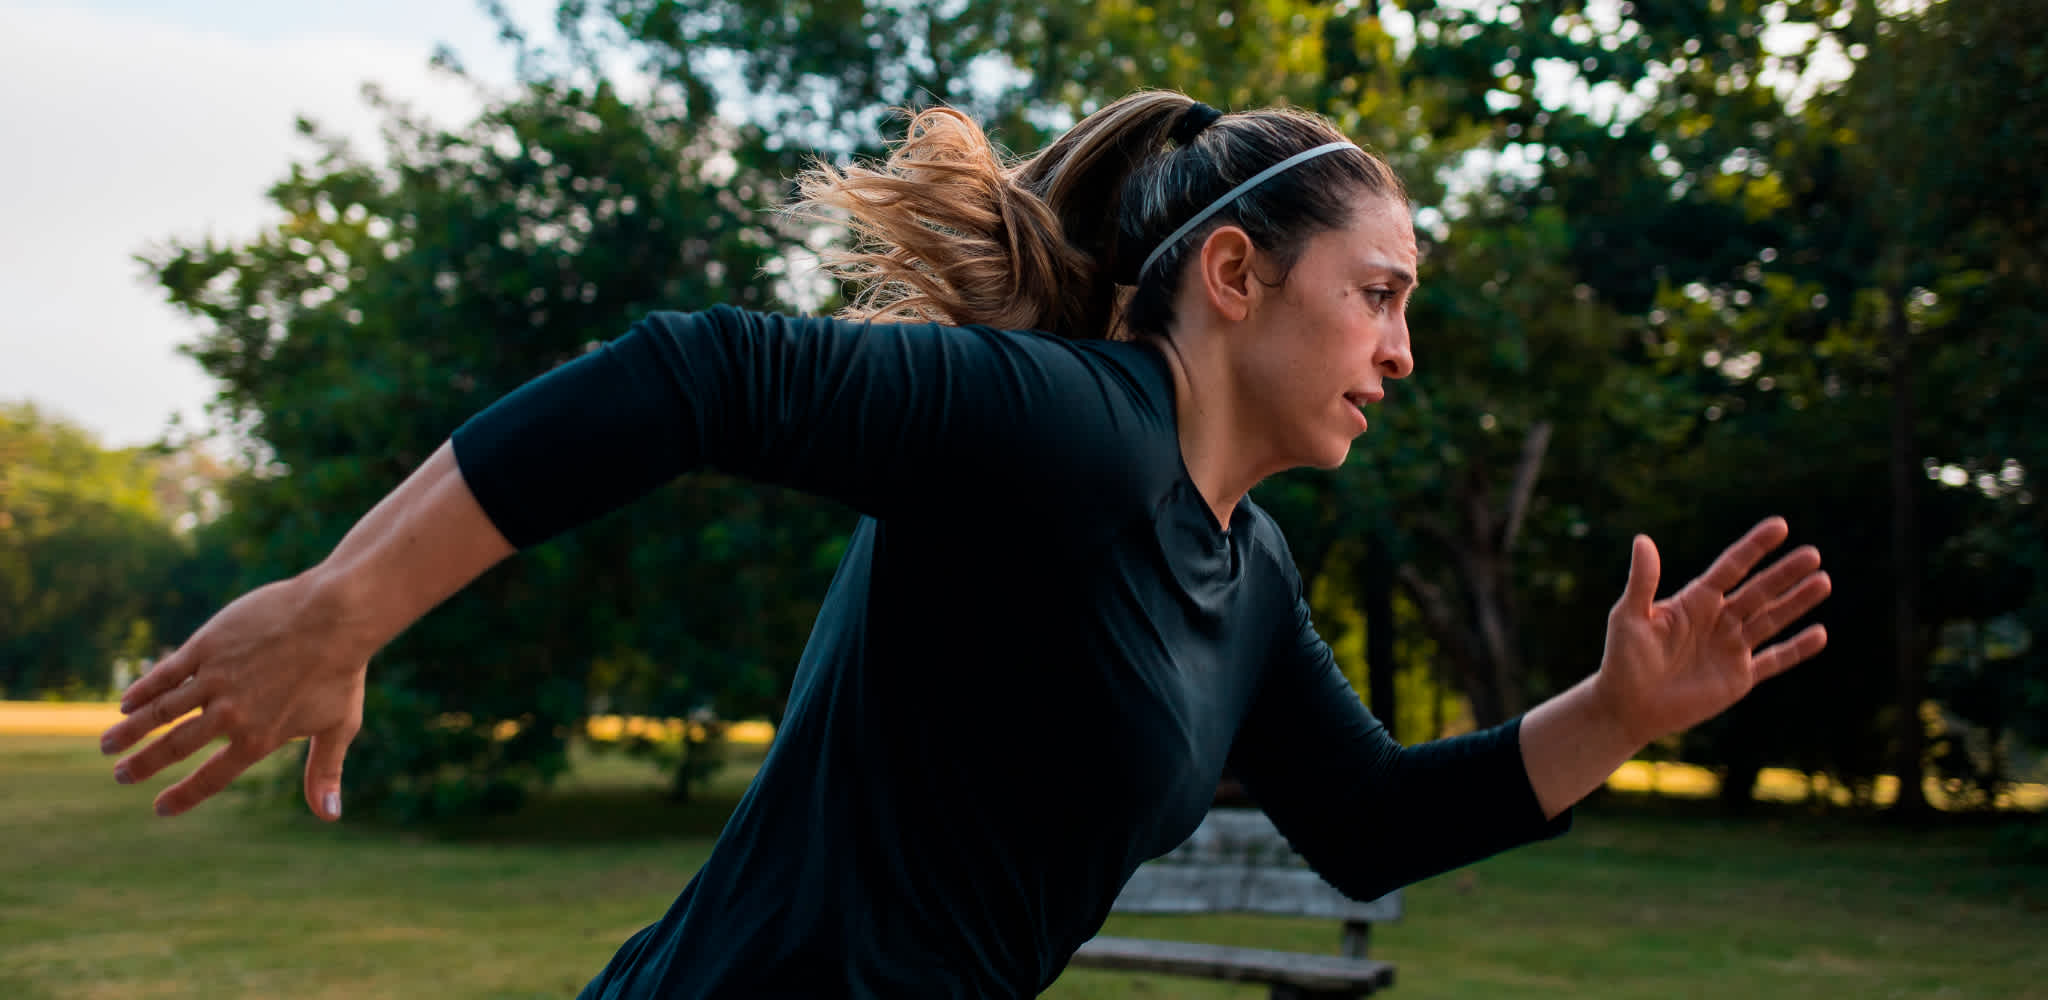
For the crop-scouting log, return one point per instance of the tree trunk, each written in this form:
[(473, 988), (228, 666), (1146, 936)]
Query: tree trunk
[(1911, 736), (1486, 577), (1458, 654), (680, 785), (1376, 583), (1738, 786), (1479, 632)]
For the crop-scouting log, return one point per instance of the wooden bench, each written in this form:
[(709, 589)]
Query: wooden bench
[(1236, 862)]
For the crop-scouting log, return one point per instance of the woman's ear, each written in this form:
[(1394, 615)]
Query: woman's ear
[(1225, 268)]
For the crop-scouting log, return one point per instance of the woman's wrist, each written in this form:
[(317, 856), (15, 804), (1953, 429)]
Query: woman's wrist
[(1572, 743), (1613, 713), (338, 603)]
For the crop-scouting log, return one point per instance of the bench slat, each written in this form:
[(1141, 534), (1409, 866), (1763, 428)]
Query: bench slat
[(1169, 887), (1236, 860), (1246, 965)]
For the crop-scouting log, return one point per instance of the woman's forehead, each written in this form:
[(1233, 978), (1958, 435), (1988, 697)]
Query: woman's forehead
[(1380, 237)]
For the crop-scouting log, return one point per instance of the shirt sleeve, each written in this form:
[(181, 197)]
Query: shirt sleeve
[(1367, 813), (886, 418)]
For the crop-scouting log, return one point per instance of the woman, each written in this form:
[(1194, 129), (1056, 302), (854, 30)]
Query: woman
[(1057, 581)]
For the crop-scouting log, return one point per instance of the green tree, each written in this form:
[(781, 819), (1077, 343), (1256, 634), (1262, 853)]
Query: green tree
[(84, 551), (1960, 248), (1585, 256), (1464, 483), (394, 300), (1884, 279)]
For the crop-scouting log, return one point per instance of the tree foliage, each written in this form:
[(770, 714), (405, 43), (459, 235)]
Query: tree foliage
[(394, 300), (1657, 186), (1670, 254), (92, 567)]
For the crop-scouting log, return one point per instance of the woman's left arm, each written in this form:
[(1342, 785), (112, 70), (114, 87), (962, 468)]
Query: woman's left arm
[(1367, 813), (1674, 663), (1372, 815)]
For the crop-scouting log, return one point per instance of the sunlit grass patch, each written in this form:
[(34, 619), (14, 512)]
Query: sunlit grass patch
[(612, 728), (1778, 784), (82, 718)]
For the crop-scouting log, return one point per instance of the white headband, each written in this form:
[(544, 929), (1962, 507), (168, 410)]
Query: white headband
[(1231, 195)]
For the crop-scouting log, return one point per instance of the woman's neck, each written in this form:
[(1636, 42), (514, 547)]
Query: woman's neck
[(1209, 420)]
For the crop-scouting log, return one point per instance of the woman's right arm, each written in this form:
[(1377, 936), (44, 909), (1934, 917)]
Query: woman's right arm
[(921, 421), (288, 660), (426, 540)]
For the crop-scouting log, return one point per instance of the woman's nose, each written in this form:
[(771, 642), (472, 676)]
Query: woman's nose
[(1395, 360)]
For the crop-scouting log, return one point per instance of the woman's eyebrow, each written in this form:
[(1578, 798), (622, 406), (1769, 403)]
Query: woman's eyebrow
[(1398, 275)]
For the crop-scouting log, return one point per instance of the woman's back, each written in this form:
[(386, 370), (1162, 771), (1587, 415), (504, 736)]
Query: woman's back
[(1025, 678), (1038, 654)]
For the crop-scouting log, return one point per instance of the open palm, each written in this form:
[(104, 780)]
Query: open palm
[(1675, 663)]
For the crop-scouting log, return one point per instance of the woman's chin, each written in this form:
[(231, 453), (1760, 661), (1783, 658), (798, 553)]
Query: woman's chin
[(1320, 449), (1333, 456)]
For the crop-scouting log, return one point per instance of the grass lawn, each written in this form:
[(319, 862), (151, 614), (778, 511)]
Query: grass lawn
[(100, 899)]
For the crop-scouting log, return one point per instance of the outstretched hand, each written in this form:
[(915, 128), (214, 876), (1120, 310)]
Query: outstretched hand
[(273, 666), (1675, 663)]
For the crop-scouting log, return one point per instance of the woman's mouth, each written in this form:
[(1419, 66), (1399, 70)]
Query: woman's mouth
[(1358, 402)]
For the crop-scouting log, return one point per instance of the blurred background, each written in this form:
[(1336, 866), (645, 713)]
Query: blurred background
[(1686, 265)]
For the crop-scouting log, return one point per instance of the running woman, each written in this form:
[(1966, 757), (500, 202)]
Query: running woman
[(1060, 617)]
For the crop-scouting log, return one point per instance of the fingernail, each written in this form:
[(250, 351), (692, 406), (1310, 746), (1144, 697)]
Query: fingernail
[(121, 776), (333, 803), (106, 744), (163, 809)]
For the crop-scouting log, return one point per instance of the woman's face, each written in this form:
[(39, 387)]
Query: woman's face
[(1325, 342)]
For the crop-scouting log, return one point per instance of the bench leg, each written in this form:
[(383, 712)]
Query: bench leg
[(1357, 935), (1297, 993)]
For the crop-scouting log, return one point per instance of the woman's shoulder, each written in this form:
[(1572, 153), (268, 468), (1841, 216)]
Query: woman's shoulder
[(1080, 426), (1264, 541), (1052, 375), (1105, 417)]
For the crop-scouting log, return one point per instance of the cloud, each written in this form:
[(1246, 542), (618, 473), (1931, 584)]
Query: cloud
[(119, 132)]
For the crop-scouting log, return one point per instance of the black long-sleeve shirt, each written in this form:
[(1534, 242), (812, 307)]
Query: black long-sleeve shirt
[(1037, 657)]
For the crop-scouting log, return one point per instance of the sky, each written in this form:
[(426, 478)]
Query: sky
[(132, 122), (129, 123)]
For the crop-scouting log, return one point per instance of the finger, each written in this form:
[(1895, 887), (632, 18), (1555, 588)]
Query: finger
[(176, 745), (1781, 576), (168, 673), (324, 754), (207, 781), (150, 716), (1741, 557), (1644, 568), (1784, 656), (1787, 609)]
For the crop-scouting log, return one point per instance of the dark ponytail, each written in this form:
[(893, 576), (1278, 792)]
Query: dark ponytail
[(946, 231)]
